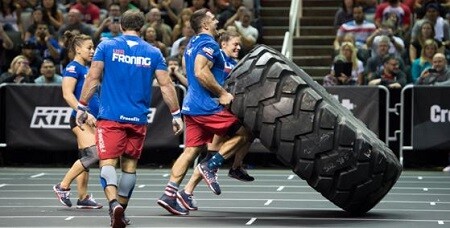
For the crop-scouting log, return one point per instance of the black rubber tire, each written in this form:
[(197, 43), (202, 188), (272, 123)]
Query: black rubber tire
[(309, 131)]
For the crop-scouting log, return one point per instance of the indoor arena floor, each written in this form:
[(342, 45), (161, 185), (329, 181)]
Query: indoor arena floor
[(277, 198)]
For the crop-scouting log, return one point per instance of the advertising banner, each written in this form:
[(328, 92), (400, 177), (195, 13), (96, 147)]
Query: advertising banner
[(38, 117), (431, 118)]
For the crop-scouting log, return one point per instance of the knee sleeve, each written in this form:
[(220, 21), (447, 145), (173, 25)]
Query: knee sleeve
[(108, 176), (126, 184), (89, 156)]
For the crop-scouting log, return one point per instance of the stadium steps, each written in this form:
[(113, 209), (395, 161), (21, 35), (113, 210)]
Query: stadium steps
[(312, 51)]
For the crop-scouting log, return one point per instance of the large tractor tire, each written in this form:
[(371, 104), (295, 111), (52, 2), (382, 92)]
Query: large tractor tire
[(309, 131)]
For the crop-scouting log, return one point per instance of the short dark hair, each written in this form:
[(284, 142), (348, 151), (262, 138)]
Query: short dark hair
[(197, 19), (132, 20)]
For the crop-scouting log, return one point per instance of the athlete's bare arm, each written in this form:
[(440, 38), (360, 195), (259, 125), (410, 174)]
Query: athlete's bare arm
[(204, 75), (167, 89)]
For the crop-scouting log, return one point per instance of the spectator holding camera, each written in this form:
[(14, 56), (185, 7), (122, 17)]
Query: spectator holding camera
[(176, 73), (113, 25), (18, 72), (438, 74), (46, 44), (396, 45)]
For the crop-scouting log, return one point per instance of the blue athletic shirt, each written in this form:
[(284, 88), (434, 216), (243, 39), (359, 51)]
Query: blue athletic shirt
[(230, 63), (75, 70), (199, 100), (129, 66)]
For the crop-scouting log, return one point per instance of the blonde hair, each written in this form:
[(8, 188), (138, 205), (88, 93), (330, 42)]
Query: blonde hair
[(353, 59), (427, 43), (12, 69)]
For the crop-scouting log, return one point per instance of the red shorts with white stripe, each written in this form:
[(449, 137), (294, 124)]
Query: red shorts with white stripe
[(115, 139), (200, 130)]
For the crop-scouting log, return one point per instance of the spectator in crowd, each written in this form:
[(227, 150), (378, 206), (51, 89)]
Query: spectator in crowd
[(437, 74), (344, 13), (420, 7), (122, 127), (28, 5), (198, 4), (347, 54), (89, 11), (126, 5), (360, 28), (113, 15), (18, 72), (5, 44), (385, 9), (168, 14), (75, 22), (113, 30), (424, 61), (10, 16), (441, 26), (228, 13), (52, 16), (396, 44), (391, 76), (48, 74), (375, 63), (181, 48), (163, 30), (249, 34), (150, 36), (30, 51), (37, 18), (184, 16), (187, 34), (426, 32), (46, 44), (176, 72)]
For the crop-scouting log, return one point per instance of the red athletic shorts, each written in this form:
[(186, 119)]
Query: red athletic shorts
[(115, 139), (201, 129)]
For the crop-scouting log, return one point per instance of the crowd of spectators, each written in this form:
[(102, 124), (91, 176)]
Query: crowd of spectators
[(32, 45), (396, 41)]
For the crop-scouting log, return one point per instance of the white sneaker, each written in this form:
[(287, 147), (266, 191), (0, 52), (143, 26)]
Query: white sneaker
[(446, 169)]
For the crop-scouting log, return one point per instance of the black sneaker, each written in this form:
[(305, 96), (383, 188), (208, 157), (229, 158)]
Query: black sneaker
[(187, 200), (171, 205), (240, 174), (210, 177), (63, 195), (88, 203)]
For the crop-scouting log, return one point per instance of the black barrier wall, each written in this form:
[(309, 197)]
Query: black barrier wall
[(38, 117)]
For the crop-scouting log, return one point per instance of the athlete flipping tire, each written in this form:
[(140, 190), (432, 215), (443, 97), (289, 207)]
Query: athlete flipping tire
[(309, 131)]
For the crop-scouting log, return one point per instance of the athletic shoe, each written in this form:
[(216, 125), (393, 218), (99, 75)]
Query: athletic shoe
[(125, 219), (171, 205), (63, 195), (240, 174), (446, 169), (88, 203), (117, 216), (210, 177), (187, 200)]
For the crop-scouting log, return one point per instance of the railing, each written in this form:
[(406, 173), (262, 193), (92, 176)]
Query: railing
[(295, 14)]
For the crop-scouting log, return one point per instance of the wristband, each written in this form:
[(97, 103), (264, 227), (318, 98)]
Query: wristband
[(82, 107), (176, 114)]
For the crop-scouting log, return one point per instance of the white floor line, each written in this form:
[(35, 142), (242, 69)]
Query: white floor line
[(38, 175), (2, 185), (268, 202), (69, 218), (290, 177), (441, 222), (141, 186), (280, 188), (251, 221)]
